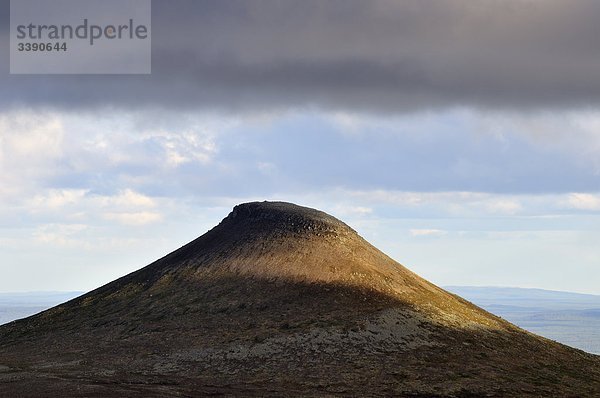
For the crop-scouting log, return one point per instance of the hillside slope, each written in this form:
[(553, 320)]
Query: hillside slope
[(281, 300)]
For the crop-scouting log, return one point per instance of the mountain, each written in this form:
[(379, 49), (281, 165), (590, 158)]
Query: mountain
[(281, 300)]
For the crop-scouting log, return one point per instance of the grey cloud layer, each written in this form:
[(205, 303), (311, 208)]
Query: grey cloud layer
[(377, 55)]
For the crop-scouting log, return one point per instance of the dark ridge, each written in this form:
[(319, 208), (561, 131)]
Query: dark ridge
[(283, 216)]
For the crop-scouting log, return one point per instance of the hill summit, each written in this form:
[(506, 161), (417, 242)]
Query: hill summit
[(281, 300)]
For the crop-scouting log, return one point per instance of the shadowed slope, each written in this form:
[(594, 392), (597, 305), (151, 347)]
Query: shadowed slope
[(281, 300)]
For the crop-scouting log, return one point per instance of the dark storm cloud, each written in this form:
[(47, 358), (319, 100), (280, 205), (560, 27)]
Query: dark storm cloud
[(377, 55)]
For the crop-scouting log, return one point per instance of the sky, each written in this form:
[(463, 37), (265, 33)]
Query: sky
[(461, 138)]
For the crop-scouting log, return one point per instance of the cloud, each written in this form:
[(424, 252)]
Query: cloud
[(449, 203), (575, 133), (584, 201), (126, 207), (504, 206), (372, 56), (65, 235), (185, 146), (135, 218), (126, 199), (352, 211), (170, 154), (31, 146), (57, 198), (427, 232)]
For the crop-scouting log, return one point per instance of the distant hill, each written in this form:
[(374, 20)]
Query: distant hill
[(569, 318), (281, 300), (531, 298)]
